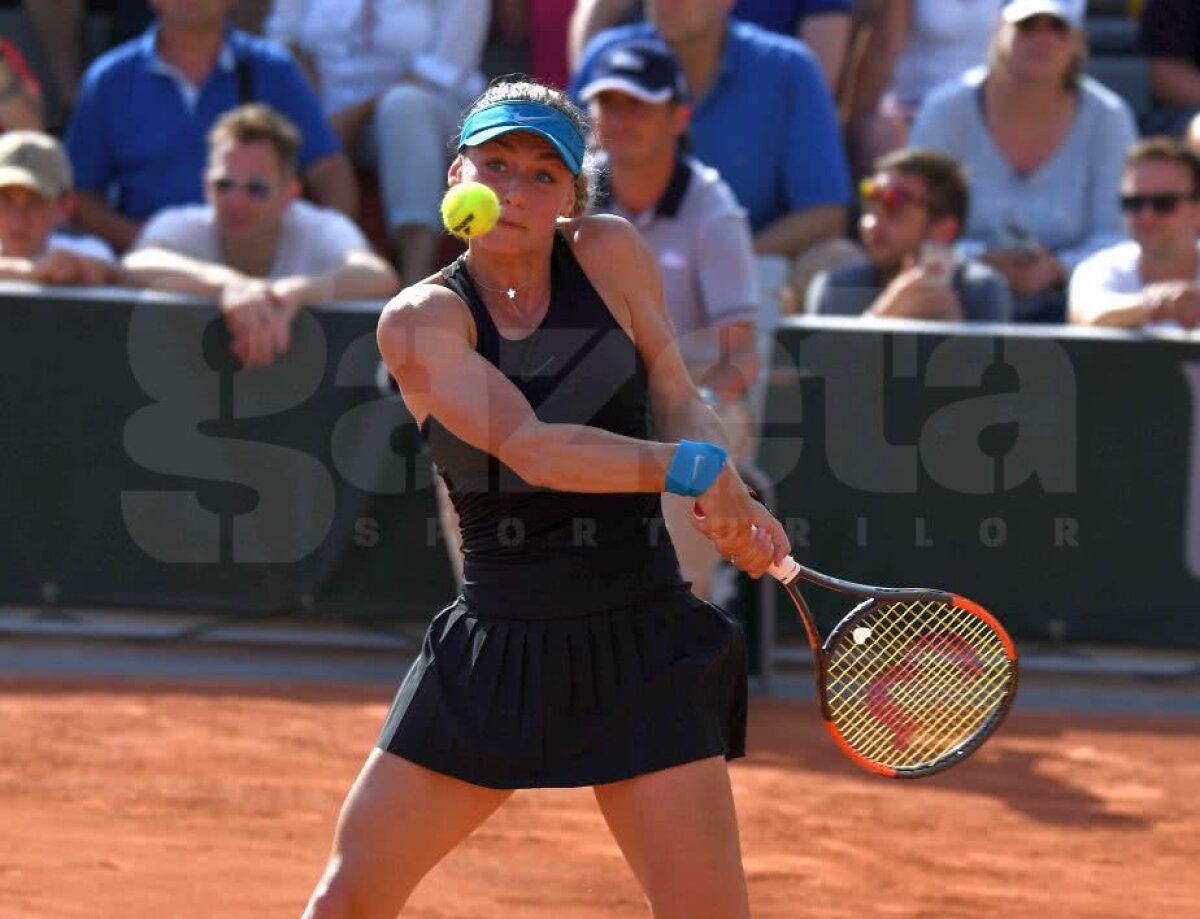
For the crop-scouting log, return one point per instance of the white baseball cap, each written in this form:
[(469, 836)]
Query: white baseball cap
[(1072, 12)]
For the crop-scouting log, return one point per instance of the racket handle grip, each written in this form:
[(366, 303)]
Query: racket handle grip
[(785, 572)]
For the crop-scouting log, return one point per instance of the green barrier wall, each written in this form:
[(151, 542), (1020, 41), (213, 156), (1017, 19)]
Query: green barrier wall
[(1055, 477)]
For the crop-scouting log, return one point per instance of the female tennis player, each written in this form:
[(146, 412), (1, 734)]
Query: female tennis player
[(575, 654)]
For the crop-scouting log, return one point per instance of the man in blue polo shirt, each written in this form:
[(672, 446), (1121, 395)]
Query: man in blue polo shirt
[(137, 138), (764, 119)]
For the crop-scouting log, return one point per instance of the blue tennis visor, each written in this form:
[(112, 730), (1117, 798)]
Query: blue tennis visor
[(492, 121)]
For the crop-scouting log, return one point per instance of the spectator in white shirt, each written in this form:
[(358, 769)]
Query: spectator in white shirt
[(394, 77), (255, 248), (1155, 277), (37, 199)]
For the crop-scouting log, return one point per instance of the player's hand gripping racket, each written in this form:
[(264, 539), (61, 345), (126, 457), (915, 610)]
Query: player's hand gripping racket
[(911, 681)]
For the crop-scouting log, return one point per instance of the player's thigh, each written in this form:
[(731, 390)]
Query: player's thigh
[(398, 821), (678, 830)]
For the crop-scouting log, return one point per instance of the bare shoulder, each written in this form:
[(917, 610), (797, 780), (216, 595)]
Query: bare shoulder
[(428, 306), (603, 238), (614, 256)]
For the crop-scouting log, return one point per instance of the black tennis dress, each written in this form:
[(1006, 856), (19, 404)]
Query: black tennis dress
[(575, 653)]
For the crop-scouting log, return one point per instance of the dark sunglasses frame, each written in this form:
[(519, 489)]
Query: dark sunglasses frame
[(258, 189), (1165, 203)]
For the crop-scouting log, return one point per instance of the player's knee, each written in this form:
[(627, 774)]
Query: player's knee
[(405, 101), (343, 894), (668, 903), (334, 898), (328, 903), (675, 890)]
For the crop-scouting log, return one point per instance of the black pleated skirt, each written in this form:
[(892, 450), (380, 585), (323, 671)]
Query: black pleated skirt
[(564, 702)]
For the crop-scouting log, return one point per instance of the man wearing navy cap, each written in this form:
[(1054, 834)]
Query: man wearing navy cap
[(639, 103), (764, 118)]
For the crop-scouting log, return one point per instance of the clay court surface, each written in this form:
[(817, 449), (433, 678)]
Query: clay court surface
[(172, 800)]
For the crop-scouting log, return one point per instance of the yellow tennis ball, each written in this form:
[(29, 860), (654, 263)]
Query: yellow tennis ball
[(470, 209)]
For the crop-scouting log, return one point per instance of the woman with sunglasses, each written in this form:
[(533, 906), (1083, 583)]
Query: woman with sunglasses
[(1154, 278), (575, 654), (1044, 147)]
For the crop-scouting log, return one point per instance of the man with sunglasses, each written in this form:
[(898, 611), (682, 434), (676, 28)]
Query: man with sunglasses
[(913, 209), (1155, 277), (255, 248)]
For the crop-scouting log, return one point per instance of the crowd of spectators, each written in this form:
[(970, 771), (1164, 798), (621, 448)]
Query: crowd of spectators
[(228, 147)]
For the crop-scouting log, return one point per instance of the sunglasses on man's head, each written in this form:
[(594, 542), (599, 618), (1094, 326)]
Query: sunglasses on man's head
[(890, 198), (1036, 23), (1166, 203), (258, 189)]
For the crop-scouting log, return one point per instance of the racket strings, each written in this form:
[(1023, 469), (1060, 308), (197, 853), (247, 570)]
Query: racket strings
[(943, 730), (899, 691), (913, 681), (906, 703), (915, 731)]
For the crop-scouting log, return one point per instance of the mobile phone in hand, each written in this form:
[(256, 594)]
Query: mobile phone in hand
[(938, 261)]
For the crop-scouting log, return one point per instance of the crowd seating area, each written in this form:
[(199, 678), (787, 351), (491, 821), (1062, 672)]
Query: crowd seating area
[(1112, 26)]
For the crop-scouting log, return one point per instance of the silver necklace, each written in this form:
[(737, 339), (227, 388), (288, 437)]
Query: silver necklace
[(509, 292)]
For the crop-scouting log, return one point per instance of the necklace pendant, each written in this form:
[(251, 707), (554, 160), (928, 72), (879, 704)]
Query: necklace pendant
[(511, 293)]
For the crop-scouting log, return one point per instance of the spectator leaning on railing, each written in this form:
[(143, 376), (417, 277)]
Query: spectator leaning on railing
[(1044, 146), (136, 138), (913, 209), (256, 249), (36, 201), (1155, 277)]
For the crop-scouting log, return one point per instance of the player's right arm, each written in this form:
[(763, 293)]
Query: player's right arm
[(426, 338)]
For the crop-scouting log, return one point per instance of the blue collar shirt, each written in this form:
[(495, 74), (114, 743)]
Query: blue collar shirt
[(139, 133)]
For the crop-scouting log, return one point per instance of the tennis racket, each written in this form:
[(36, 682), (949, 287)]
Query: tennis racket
[(911, 681)]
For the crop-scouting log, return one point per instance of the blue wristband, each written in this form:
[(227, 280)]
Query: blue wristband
[(694, 467)]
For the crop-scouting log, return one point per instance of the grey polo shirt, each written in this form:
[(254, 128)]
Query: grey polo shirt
[(702, 239)]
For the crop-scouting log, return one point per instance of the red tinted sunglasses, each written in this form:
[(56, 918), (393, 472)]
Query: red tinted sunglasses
[(889, 198)]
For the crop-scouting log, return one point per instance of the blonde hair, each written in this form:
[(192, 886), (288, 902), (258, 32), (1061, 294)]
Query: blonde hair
[(526, 89), (256, 122)]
